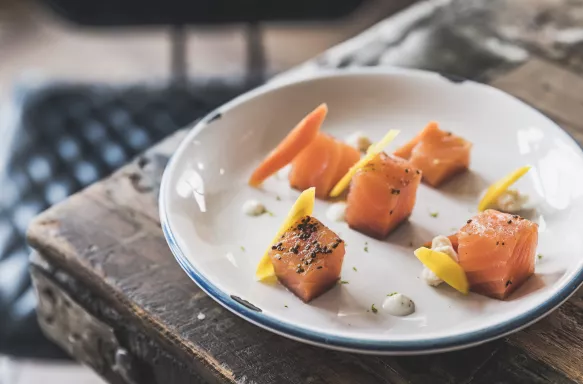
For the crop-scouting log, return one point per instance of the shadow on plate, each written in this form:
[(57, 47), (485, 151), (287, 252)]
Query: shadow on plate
[(341, 302), (533, 284), (529, 214), (468, 185), (410, 235)]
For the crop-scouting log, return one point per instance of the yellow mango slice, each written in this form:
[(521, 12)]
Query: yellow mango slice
[(444, 267), (372, 151), (500, 187), (304, 206)]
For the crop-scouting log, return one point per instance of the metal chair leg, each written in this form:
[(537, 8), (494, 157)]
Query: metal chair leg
[(178, 62), (255, 54)]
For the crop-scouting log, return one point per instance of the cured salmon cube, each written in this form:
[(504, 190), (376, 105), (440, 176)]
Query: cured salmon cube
[(307, 259), (322, 164), (497, 251), (382, 195), (439, 154)]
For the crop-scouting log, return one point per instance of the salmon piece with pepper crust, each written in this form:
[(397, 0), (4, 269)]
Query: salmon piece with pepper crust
[(307, 259), (440, 155), (497, 251), (382, 195)]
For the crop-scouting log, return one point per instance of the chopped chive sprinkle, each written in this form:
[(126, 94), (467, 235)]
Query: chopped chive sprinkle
[(539, 256), (392, 293), (343, 282), (434, 214), (366, 247), (242, 248), (270, 213), (373, 309), (355, 270), (277, 198), (286, 306)]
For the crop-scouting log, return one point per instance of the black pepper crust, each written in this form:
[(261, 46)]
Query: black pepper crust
[(303, 231)]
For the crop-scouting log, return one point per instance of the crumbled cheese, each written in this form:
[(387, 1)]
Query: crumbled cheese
[(438, 244), (335, 212), (201, 316), (253, 208), (510, 201), (359, 140), (430, 278), (397, 304)]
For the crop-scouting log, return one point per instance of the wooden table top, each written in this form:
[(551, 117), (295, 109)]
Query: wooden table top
[(109, 237)]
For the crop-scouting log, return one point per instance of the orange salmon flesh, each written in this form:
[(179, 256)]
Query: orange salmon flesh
[(307, 259), (382, 195), (322, 164), (497, 251), (439, 154)]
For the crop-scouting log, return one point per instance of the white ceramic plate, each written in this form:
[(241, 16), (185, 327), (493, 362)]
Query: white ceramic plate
[(204, 187)]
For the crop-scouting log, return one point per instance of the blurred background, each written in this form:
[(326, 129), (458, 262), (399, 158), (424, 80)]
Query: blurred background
[(87, 85)]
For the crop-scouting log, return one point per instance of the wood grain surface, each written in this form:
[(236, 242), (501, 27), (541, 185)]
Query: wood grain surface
[(108, 236)]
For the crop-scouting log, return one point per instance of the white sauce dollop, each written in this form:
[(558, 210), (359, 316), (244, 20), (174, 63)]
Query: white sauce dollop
[(253, 208), (359, 141), (439, 244), (336, 211), (398, 304), (511, 201)]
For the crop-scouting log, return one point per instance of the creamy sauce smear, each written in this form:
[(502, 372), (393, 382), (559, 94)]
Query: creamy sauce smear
[(253, 208), (398, 304), (439, 244), (511, 201)]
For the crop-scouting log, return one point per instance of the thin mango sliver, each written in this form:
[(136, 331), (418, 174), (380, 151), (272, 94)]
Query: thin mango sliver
[(304, 206), (372, 151), (499, 187)]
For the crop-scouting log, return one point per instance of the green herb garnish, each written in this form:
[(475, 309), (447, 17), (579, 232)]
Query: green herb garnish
[(355, 270), (343, 282), (392, 293), (374, 309), (286, 306), (434, 214), (366, 246), (270, 213), (242, 248), (277, 198), (539, 256)]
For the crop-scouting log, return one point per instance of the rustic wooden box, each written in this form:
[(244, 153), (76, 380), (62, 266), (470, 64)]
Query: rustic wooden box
[(112, 295)]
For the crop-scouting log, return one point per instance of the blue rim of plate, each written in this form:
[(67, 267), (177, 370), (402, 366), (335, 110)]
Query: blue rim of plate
[(349, 344)]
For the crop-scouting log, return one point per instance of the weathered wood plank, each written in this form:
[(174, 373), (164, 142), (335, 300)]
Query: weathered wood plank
[(550, 88)]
